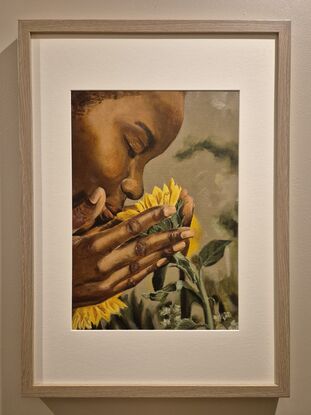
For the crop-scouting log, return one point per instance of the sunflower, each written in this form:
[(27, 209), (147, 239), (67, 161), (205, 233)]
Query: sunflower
[(168, 195), (89, 316)]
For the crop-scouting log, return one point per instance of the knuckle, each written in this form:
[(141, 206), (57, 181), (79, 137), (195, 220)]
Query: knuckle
[(134, 267), (168, 251), (174, 236), (100, 266), (133, 226), (158, 214), (140, 248), (93, 246), (131, 283), (103, 289)]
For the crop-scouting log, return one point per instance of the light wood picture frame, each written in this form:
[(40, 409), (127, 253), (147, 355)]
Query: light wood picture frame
[(280, 30)]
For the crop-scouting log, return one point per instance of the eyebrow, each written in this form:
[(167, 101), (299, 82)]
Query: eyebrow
[(149, 133)]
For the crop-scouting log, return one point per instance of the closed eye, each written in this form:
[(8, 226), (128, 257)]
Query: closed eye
[(135, 145), (138, 138)]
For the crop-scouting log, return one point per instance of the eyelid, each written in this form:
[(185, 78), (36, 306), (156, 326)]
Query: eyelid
[(136, 139), (135, 143)]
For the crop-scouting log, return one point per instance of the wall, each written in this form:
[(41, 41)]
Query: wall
[(298, 11)]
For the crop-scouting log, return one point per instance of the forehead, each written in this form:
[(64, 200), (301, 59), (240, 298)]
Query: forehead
[(160, 111)]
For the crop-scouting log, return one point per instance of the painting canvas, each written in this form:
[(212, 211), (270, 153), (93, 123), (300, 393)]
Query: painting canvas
[(155, 210)]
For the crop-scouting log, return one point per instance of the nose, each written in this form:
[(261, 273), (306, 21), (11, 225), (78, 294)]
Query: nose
[(133, 188)]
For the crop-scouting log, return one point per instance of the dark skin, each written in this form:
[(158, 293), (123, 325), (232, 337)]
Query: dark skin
[(113, 140)]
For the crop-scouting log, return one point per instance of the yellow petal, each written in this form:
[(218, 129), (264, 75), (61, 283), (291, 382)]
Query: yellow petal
[(171, 184), (140, 206), (169, 195), (158, 194), (85, 317), (120, 303), (127, 214), (149, 201), (175, 193), (195, 242), (166, 195)]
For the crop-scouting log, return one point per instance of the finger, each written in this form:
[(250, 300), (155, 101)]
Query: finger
[(114, 237), (137, 266), (94, 292), (136, 279), (142, 247), (187, 208), (84, 215), (101, 228)]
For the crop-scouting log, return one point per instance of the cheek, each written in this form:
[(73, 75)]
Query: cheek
[(111, 159)]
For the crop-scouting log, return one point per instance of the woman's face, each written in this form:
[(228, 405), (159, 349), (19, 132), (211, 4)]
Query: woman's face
[(114, 139)]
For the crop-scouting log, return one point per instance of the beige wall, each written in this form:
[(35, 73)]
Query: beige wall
[(299, 12)]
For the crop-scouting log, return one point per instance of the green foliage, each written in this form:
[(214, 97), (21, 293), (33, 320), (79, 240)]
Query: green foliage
[(186, 324), (229, 152), (189, 324), (187, 297), (189, 289), (159, 278), (228, 220), (170, 316), (211, 253), (174, 222), (225, 295), (134, 317), (162, 294), (183, 263)]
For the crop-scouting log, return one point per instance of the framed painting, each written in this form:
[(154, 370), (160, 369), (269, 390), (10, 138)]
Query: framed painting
[(155, 208)]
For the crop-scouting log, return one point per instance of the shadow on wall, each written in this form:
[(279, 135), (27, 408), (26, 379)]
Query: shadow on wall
[(12, 403), (162, 406)]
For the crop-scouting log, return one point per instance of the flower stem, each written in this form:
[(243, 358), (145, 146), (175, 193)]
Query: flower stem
[(185, 310), (206, 305)]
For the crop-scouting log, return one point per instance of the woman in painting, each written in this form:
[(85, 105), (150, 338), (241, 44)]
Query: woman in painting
[(114, 135)]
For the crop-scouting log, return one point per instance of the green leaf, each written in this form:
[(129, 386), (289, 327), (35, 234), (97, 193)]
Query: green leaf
[(159, 278), (183, 263), (161, 295), (186, 324), (187, 298), (177, 219), (196, 260), (189, 324), (173, 222), (156, 296), (213, 252)]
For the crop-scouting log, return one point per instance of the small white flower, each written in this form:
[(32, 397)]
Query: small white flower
[(233, 325), (166, 323), (165, 311), (226, 315), (217, 318)]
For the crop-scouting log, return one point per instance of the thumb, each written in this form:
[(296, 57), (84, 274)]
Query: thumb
[(187, 208), (85, 214)]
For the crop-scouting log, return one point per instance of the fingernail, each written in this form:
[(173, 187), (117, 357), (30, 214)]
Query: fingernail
[(179, 246), (187, 234), (169, 211), (94, 198), (107, 213), (162, 262)]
